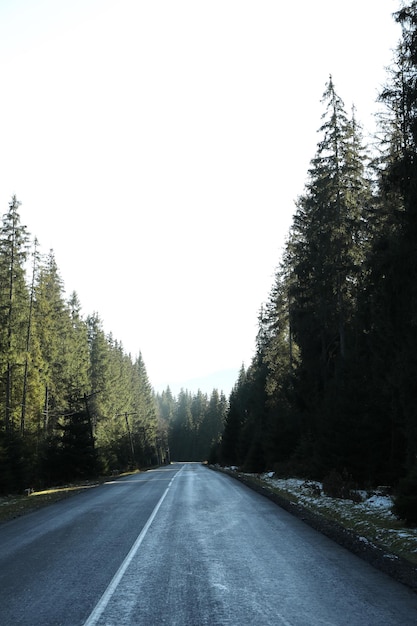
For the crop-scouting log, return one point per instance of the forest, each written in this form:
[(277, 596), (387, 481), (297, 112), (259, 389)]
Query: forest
[(332, 387), (73, 404)]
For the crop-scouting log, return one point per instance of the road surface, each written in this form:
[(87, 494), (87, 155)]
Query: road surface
[(185, 546)]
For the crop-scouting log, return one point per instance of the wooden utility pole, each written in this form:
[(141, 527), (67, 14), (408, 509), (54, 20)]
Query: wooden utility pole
[(129, 432)]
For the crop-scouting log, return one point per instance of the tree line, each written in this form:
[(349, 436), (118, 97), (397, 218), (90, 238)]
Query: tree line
[(332, 385), (194, 422), (73, 403)]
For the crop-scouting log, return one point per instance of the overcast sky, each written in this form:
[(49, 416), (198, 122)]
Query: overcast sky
[(158, 147)]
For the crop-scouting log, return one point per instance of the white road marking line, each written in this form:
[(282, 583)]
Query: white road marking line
[(114, 583)]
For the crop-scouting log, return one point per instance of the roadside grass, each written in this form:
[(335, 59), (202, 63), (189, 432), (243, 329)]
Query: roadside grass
[(13, 506)]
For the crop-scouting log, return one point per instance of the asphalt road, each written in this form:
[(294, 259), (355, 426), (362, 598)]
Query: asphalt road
[(185, 546)]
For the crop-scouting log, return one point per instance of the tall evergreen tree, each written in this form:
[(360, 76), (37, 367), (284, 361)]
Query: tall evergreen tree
[(327, 243), (14, 305), (181, 432), (281, 357), (78, 350), (326, 251), (145, 423), (235, 419), (31, 406), (391, 289), (165, 403), (52, 319), (212, 426), (101, 402), (199, 406)]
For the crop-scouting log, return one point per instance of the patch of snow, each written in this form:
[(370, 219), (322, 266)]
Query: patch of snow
[(364, 515), (379, 502)]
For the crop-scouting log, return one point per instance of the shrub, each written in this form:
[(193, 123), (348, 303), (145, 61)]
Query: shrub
[(336, 485), (405, 499)]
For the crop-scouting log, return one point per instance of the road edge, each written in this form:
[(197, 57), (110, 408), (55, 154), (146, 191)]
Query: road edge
[(398, 568)]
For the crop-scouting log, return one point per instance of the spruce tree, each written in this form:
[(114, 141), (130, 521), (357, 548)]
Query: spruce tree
[(52, 319), (230, 452), (281, 357), (212, 426), (78, 361), (14, 306), (391, 289), (31, 406), (181, 432), (326, 251), (102, 405), (145, 423)]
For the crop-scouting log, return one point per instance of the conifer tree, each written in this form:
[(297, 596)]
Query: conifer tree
[(281, 357), (235, 419), (78, 351), (325, 258), (145, 424), (390, 299), (31, 406), (212, 426), (14, 304), (181, 431), (326, 243), (52, 319), (165, 404), (102, 405)]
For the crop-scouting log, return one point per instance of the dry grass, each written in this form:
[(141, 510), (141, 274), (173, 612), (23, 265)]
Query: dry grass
[(13, 506)]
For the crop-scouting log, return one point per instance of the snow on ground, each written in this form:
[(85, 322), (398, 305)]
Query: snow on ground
[(311, 493), (371, 518)]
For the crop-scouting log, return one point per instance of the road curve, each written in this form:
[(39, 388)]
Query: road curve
[(185, 546)]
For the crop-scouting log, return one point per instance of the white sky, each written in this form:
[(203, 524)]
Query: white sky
[(158, 147)]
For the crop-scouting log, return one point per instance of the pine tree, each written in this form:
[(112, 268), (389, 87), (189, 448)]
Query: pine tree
[(78, 361), (14, 304), (391, 289), (75, 457), (31, 406), (181, 432), (326, 244), (236, 416), (145, 423), (212, 426), (165, 403), (102, 406), (52, 319), (199, 406), (280, 354)]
